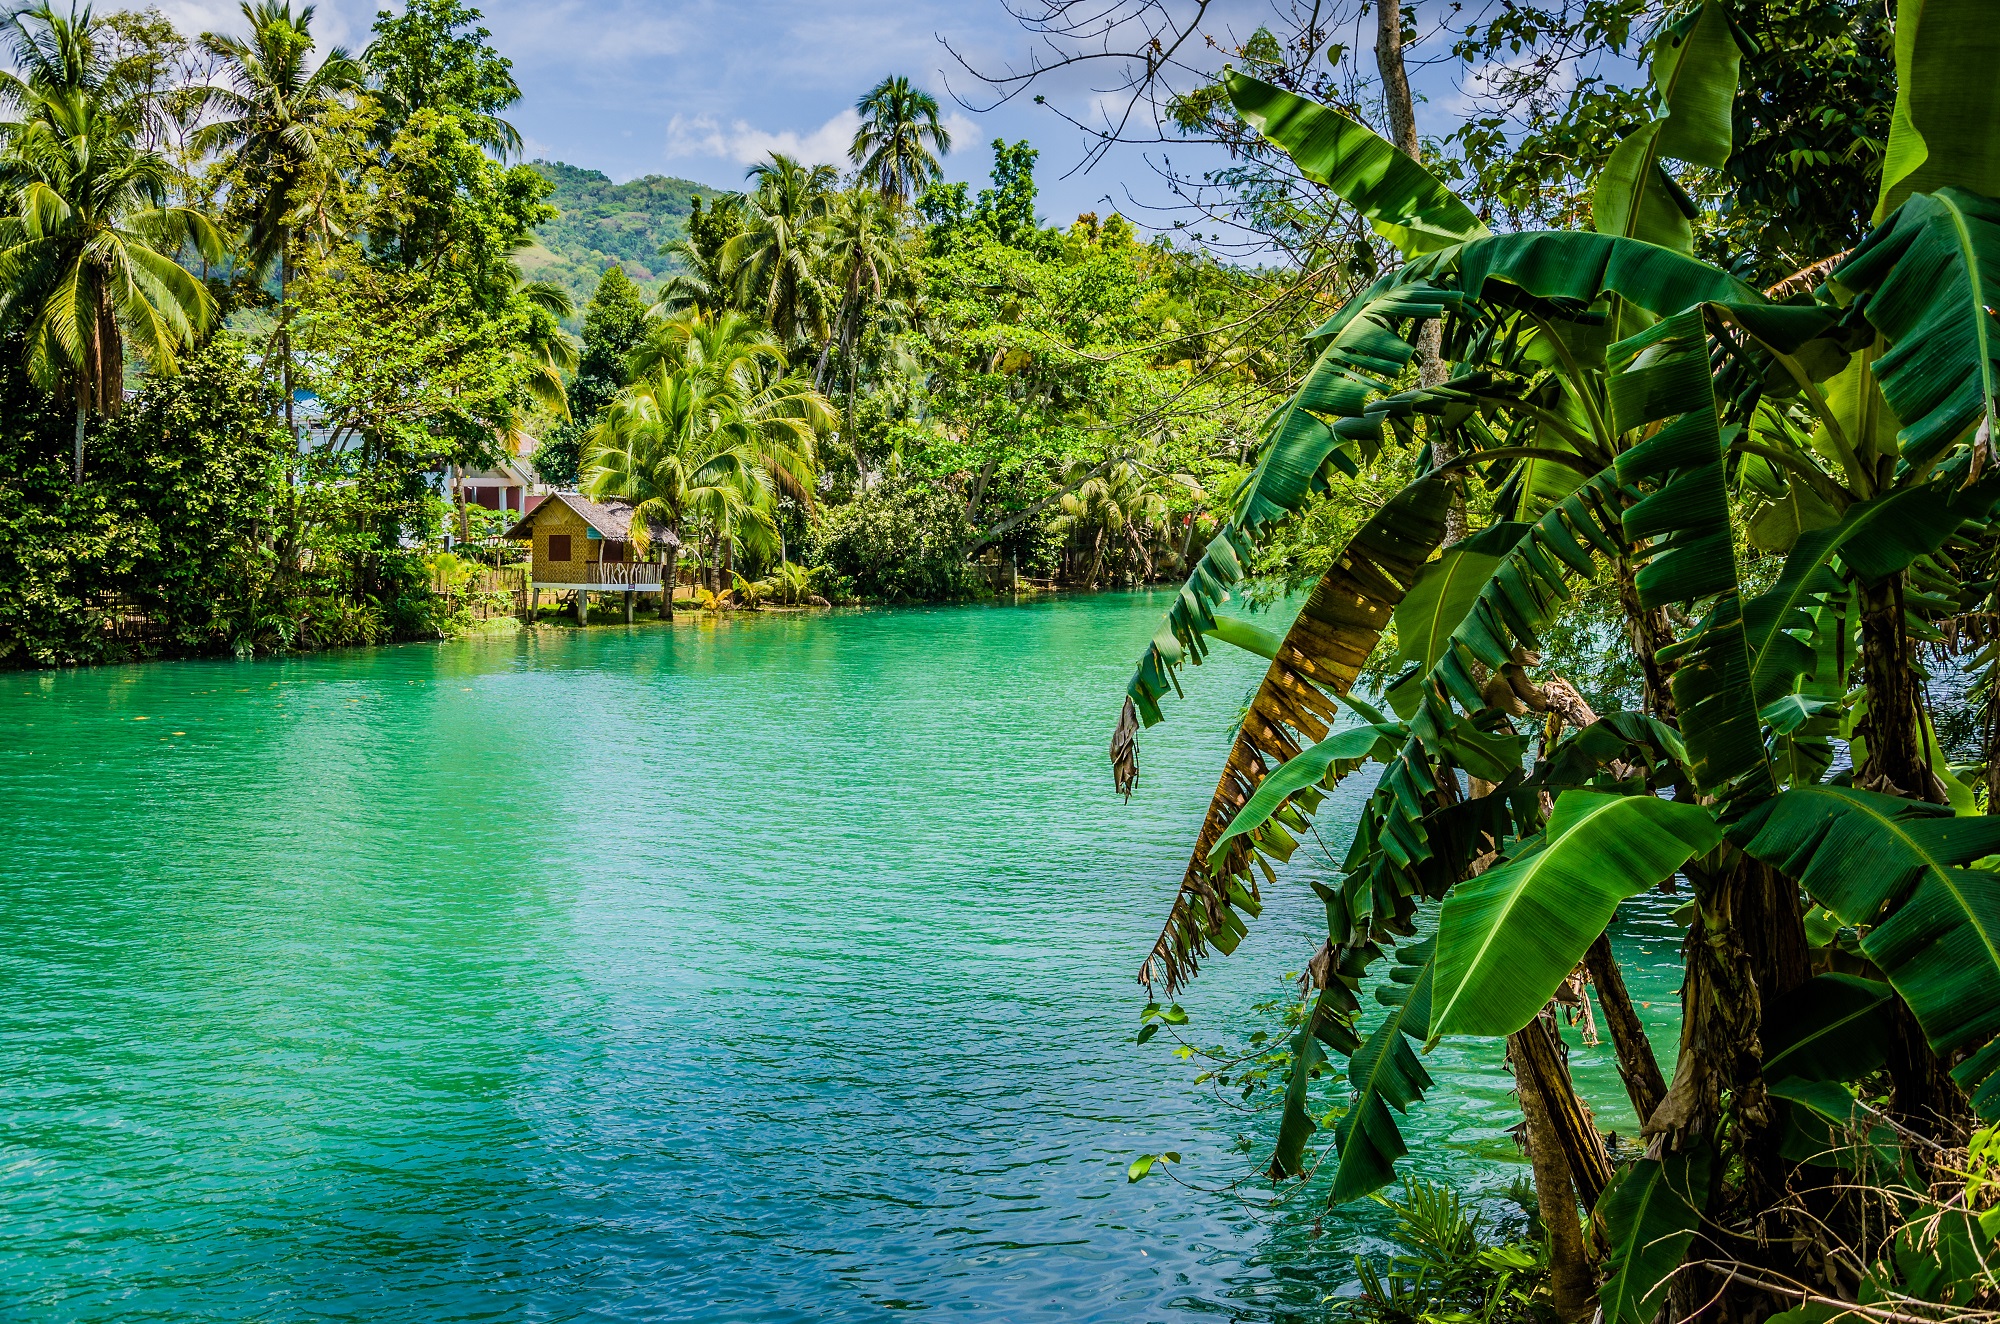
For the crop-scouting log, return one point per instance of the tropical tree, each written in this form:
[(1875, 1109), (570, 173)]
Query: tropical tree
[(88, 240), (1121, 506), (775, 260), (703, 280), (433, 56), (272, 137), (549, 351), (1618, 394), (862, 247), (711, 429), (897, 146)]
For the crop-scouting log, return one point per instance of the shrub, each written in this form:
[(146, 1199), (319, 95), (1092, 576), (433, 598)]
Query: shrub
[(902, 541)]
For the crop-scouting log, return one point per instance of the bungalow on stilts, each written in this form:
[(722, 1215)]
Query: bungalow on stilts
[(585, 547)]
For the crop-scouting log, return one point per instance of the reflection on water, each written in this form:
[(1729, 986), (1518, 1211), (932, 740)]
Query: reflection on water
[(771, 969)]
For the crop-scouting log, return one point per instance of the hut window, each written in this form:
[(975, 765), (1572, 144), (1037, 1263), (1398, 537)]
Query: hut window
[(559, 547), (614, 552)]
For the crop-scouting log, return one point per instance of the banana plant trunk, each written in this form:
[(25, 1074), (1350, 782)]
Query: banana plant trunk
[(1649, 630), (1745, 950), (1559, 1152), (1897, 761)]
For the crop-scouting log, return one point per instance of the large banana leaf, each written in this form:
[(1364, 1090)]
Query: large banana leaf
[(1293, 708), (1438, 603), (1355, 364), (1695, 68), (1405, 203), (1323, 764), (1635, 196), (1832, 1027), (1688, 513), (1520, 598), (1875, 539), (1933, 276), (1508, 938), (1329, 1025), (1563, 264), (1858, 853), (1694, 71), (1385, 1073), (1941, 952), (1648, 1215), (1945, 129), (1403, 847)]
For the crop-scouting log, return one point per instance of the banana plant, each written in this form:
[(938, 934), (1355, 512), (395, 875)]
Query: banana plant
[(1643, 415)]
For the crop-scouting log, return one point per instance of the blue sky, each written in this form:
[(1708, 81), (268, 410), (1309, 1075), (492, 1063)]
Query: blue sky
[(701, 88)]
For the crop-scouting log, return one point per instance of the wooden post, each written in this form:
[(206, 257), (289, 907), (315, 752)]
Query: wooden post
[(583, 606), (630, 593), (534, 603)]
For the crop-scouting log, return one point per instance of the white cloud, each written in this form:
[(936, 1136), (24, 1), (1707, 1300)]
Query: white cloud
[(744, 143)]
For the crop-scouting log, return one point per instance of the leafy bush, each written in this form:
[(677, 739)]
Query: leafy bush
[(900, 542), (200, 528), (1452, 1270)]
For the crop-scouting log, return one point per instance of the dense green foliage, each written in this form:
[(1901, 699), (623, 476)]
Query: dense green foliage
[(1785, 494), (369, 280)]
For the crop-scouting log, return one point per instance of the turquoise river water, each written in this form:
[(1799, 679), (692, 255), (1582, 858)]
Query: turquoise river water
[(776, 968)]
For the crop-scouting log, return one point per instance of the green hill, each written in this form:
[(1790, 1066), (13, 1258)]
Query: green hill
[(602, 223)]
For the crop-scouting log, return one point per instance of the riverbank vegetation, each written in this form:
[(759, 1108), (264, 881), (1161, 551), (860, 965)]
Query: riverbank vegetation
[(306, 271), (1681, 580)]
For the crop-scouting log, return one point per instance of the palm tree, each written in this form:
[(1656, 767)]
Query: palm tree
[(272, 135), (703, 284), (1123, 505), (549, 351), (860, 241), (725, 345), (712, 427), (775, 258), (87, 233), (889, 147)]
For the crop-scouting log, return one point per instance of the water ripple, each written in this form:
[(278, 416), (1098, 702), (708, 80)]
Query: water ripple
[(770, 969)]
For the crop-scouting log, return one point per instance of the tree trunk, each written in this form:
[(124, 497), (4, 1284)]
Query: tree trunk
[(1571, 1281), (1648, 630), (667, 578), (1541, 1067), (284, 328), (1896, 762), (1745, 949), (458, 495), (76, 460), (1431, 367), (1395, 81), (1922, 1094), (979, 485), (1636, 1065)]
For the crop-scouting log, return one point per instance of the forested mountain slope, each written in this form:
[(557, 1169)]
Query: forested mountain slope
[(603, 222)]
